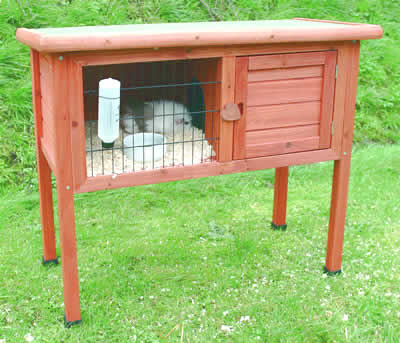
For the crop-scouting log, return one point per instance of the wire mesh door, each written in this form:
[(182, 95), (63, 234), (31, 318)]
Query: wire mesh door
[(168, 116)]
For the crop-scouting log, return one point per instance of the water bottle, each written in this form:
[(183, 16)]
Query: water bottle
[(108, 121)]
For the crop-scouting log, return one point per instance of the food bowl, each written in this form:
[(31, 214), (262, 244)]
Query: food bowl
[(145, 147)]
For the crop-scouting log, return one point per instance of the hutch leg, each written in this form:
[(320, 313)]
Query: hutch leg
[(43, 170), (341, 172), (69, 254), (280, 198), (46, 209), (340, 187)]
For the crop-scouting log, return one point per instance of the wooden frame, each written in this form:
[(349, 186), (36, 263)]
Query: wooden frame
[(228, 129), (43, 167), (57, 88)]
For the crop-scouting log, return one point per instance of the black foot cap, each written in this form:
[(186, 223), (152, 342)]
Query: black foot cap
[(45, 263), (72, 323), (330, 273), (278, 227)]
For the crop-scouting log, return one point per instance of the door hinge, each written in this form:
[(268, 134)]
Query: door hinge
[(337, 70), (332, 127)]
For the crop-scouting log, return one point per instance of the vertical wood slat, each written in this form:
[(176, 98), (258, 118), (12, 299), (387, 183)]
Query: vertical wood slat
[(212, 99), (340, 94), (210, 71), (341, 173), (47, 108), (280, 197), (77, 122), (350, 103), (327, 98), (65, 196), (227, 96), (239, 127), (215, 104), (43, 168)]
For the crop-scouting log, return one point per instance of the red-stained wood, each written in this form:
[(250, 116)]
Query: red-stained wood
[(239, 127), (282, 147), (227, 96), (286, 60), (203, 170), (350, 102), (49, 143), (77, 122), (135, 55), (43, 168), (167, 54), (327, 98), (343, 69), (191, 34), (280, 113), (65, 192), (280, 196), (210, 71), (341, 172), (49, 139), (285, 73), (212, 101), (282, 140), (284, 91), (275, 116), (281, 134), (48, 155)]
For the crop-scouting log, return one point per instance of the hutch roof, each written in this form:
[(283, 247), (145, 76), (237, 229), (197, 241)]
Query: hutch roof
[(193, 34)]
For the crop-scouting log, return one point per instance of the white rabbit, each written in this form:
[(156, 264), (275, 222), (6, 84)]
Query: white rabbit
[(134, 114), (170, 117), (163, 116)]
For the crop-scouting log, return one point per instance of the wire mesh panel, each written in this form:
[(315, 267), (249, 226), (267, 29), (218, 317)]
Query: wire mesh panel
[(168, 116)]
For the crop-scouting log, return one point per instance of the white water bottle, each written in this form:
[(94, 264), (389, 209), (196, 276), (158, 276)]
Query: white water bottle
[(108, 121)]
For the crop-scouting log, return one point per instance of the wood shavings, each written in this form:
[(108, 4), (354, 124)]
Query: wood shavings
[(183, 148)]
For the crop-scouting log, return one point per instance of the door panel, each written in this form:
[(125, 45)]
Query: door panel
[(286, 102)]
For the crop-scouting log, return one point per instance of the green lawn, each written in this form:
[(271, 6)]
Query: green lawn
[(201, 252)]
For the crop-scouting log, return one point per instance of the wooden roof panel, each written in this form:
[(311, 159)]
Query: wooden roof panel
[(192, 34)]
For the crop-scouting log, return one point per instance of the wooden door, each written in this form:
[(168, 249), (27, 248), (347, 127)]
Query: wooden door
[(286, 102)]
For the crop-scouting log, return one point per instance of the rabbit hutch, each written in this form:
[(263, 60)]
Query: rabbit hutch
[(120, 106)]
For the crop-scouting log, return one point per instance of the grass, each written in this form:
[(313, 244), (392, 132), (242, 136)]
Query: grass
[(378, 101), (200, 252)]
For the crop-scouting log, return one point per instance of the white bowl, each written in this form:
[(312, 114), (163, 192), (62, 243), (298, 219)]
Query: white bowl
[(140, 146)]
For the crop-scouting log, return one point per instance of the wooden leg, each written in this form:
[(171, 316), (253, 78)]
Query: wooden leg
[(46, 209), (280, 198), (68, 254), (340, 187)]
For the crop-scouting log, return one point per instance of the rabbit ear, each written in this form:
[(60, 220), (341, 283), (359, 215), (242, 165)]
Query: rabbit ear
[(148, 108)]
